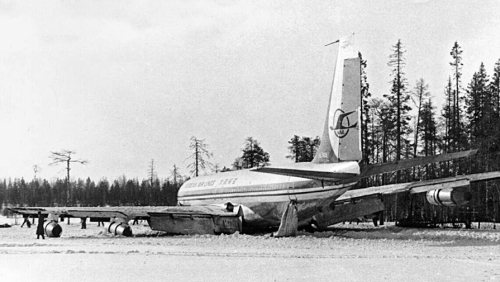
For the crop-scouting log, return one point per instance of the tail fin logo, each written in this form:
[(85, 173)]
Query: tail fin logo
[(342, 123)]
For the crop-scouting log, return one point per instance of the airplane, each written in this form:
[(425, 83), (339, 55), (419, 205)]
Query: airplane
[(285, 198)]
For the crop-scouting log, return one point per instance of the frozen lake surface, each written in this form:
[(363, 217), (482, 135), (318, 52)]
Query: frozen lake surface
[(347, 253)]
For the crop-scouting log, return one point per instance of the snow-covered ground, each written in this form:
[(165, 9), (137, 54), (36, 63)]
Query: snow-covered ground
[(346, 253)]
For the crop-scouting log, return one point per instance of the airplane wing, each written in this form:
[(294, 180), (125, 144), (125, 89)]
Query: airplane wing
[(361, 202), (421, 186), (124, 212), (212, 219)]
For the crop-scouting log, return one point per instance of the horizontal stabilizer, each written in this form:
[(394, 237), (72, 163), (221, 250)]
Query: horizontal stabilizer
[(409, 163), (327, 171)]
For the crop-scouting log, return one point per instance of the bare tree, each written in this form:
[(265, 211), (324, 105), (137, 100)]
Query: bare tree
[(151, 172), (175, 175), (36, 168), (199, 156), (34, 185), (65, 156), (216, 168)]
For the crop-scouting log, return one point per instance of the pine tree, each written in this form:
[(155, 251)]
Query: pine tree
[(448, 116), (476, 104), (3, 192), (456, 128), (422, 94), (399, 97), (114, 193), (311, 147), (102, 192), (494, 89), (144, 193), (23, 191), (480, 111), (428, 135), (295, 148), (303, 149), (46, 192), (35, 190), (13, 193), (131, 192), (90, 192), (495, 86), (365, 113), (155, 193), (174, 186), (383, 131), (253, 155)]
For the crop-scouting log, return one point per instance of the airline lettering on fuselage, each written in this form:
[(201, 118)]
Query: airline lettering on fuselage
[(227, 181), (342, 123)]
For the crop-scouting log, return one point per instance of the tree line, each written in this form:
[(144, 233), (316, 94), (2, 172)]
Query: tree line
[(87, 193), (405, 124)]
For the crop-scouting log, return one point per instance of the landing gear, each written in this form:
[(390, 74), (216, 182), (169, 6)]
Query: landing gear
[(289, 221), (378, 219)]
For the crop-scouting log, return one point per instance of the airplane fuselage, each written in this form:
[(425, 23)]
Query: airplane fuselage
[(263, 196)]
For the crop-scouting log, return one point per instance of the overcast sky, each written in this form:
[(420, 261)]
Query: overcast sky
[(124, 82)]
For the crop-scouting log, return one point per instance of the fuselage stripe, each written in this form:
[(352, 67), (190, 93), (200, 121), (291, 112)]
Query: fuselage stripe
[(282, 192), (250, 188)]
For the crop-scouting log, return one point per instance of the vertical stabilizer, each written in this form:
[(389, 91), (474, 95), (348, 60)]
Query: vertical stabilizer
[(341, 140)]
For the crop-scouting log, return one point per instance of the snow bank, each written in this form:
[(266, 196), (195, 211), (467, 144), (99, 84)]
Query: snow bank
[(10, 221), (392, 232)]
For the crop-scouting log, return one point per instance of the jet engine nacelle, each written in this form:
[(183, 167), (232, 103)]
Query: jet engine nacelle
[(52, 229), (448, 197), (118, 228)]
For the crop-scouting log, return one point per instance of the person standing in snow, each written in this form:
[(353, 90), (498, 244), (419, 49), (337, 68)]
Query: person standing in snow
[(84, 222), (39, 227), (26, 221)]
